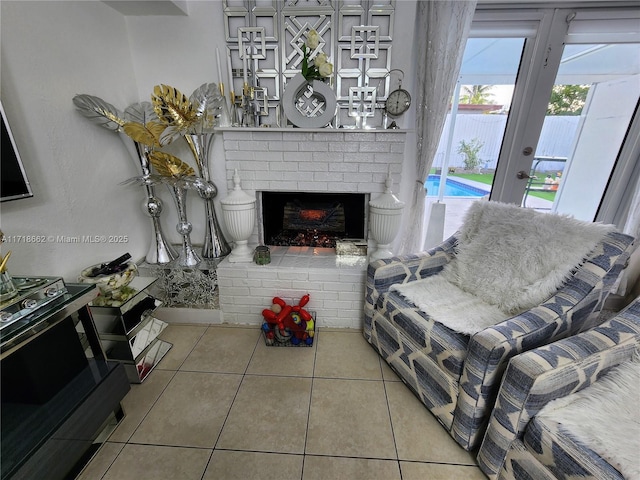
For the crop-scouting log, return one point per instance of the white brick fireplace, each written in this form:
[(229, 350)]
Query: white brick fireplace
[(300, 160)]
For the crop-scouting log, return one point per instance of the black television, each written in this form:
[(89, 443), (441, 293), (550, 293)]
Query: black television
[(13, 179)]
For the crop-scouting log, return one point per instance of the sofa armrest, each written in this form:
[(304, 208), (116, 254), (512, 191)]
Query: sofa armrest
[(534, 378), (383, 273), (564, 314)]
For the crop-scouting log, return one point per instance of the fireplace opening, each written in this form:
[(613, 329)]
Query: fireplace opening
[(312, 219)]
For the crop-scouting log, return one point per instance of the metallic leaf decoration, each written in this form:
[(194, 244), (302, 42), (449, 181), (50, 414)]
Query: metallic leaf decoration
[(207, 102), (205, 188), (99, 112), (169, 165), (144, 180), (148, 134), (169, 134), (173, 107), (188, 181), (141, 112)]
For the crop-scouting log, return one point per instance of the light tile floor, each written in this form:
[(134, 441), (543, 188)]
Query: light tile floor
[(221, 405)]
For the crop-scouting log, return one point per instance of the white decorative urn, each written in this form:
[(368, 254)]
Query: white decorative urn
[(239, 213), (385, 217)]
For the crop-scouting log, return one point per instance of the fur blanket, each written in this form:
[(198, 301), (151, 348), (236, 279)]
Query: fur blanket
[(445, 302), (605, 417), (508, 257)]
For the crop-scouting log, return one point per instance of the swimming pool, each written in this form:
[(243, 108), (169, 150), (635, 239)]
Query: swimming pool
[(453, 188)]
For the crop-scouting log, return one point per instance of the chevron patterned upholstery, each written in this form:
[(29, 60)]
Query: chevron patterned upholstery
[(516, 445), (456, 376)]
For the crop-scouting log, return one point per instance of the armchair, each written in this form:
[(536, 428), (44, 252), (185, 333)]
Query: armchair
[(510, 280), (529, 437)]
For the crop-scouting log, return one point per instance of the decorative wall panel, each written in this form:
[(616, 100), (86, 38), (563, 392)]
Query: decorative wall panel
[(356, 35)]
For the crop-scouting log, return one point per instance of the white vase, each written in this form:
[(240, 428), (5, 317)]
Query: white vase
[(385, 218), (239, 213)]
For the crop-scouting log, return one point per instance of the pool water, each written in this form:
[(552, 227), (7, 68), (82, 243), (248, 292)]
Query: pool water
[(453, 188)]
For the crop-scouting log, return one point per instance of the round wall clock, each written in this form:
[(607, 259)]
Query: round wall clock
[(398, 102)]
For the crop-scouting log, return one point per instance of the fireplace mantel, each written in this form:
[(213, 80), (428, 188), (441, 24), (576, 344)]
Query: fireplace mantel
[(311, 130)]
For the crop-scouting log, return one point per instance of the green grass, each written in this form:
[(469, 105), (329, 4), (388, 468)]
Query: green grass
[(487, 178)]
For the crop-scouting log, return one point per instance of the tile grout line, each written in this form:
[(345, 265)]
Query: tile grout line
[(110, 463), (175, 372), (244, 374), (393, 430), (128, 440), (313, 377), (235, 396)]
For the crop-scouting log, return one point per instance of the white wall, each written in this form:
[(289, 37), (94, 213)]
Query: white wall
[(181, 51), (404, 57), (556, 139), (52, 50)]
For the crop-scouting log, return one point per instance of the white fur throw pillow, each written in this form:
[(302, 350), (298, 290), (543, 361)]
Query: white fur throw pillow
[(606, 417), (515, 258)]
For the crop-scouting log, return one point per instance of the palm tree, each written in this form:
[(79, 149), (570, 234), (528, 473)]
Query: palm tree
[(477, 95), (567, 99)]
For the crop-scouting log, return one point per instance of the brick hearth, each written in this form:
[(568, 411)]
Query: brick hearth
[(334, 283)]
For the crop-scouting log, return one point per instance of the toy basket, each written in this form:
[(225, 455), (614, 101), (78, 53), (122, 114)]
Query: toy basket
[(300, 335)]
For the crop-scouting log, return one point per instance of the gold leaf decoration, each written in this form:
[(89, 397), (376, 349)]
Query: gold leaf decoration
[(173, 107), (169, 165), (148, 134)]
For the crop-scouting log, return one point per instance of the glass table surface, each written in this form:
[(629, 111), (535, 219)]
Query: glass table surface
[(18, 332)]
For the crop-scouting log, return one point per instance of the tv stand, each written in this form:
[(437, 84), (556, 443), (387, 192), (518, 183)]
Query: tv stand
[(58, 388)]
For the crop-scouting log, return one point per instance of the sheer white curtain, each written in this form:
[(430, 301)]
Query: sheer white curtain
[(627, 282), (442, 28)]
